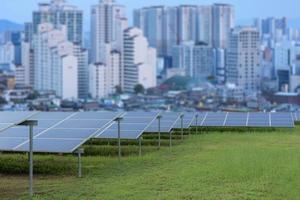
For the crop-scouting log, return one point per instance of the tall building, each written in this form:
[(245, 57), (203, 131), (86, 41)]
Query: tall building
[(223, 22), (139, 61), (104, 78), (151, 21), (56, 66), (108, 21), (166, 27), (204, 24), (58, 12), (187, 18), (243, 59), (7, 54), (195, 59)]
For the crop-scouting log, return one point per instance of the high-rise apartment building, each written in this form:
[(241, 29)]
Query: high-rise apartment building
[(196, 59), (104, 78), (243, 58), (223, 21), (151, 21), (108, 21), (166, 27), (139, 61), (56, 65), (58, 12)]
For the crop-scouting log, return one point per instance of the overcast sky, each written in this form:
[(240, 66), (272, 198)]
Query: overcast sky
[(20, 10)]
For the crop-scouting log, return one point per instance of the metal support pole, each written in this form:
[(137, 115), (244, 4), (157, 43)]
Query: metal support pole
[(170, 140), (119, 140), (30, 161), (140, 146), (181, 119), (196, 124), (30, 124), (159, 136), (79, 152)]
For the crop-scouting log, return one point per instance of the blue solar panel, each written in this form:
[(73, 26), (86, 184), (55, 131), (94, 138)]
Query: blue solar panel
[(56, 129), (52, 115), (67, 133), (124, 134), (82, 124), (19, 132), (132, 126), (14, 117), (54, 145)]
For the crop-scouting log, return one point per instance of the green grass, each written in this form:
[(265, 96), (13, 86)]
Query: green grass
[(228, 165)]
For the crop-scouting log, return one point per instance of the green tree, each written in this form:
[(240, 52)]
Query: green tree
[(139, 89)]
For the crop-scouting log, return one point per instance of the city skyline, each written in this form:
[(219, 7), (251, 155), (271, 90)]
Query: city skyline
[(245, 11)]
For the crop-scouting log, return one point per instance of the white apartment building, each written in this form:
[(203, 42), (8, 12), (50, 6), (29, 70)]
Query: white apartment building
[(243, 59), (223, 21), (108, 21), (105, 77), (139, 61), (56, 66)]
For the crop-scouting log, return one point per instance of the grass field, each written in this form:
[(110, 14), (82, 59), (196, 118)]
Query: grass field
[(256, 165)]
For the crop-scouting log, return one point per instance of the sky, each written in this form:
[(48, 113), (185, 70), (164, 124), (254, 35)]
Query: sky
[(20, 10)]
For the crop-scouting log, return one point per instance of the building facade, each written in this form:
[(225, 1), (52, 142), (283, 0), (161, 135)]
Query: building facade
[(243, 59), (139, 61), (56, 66)]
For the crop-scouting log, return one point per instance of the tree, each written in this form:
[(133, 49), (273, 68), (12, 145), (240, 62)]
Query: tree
[(139, 89)]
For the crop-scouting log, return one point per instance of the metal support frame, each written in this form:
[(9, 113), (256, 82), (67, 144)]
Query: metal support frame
[(159, 133), (170, 139), (30, 124), (181, 125), (197, 123), (140, 146), (79, 165), (118, 120)]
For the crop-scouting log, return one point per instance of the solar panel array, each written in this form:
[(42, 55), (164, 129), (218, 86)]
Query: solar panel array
[(133, 125), (230, 119), (57, 132), (64, 132)]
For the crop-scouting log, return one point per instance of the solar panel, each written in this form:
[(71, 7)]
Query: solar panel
[(214, 119), (168, 121), (236, 119), (9, 119), (132, 126), (231, 119), (188, 120), (259, 120), (58, 132)]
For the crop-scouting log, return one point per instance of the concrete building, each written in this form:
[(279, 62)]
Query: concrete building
[(56, 66), (7, 54), (223, 22), (151, 21), (139, 61), (243, 59), (108, 21), (196, 59), (105, 77), (58, 12)]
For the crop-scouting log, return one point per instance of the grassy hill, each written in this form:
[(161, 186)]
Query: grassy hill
[(228, 165)]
